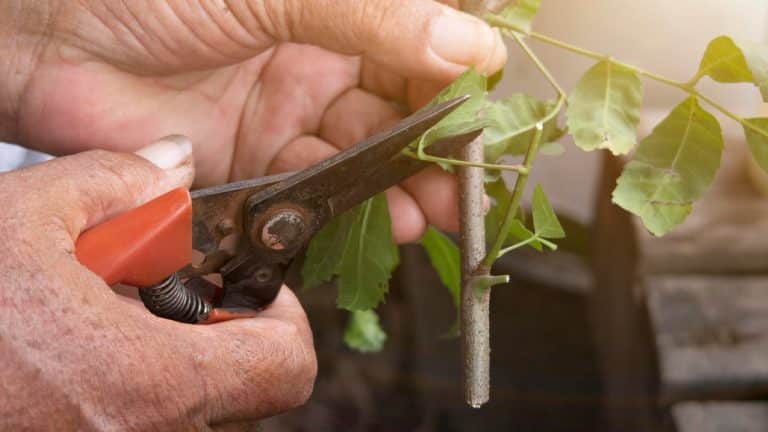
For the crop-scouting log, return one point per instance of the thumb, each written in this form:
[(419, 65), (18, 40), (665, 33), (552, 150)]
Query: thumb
[(417, 38), (88, 188)]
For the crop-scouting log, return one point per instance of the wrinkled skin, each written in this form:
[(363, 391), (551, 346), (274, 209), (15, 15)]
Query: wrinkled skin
[(231, 76), (260, 87), (76, 356)]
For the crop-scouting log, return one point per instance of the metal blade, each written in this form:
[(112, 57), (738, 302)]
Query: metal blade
[(347, 169)]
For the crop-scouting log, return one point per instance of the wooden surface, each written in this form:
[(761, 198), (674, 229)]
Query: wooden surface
[(711, 335), (721, 417)]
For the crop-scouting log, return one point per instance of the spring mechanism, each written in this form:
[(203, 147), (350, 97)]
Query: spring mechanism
[(173, 300)]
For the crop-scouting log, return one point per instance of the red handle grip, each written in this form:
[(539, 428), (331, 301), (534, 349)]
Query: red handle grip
[(141, 247)]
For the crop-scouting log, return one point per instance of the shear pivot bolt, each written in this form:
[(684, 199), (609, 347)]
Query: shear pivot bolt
[(283, 229)]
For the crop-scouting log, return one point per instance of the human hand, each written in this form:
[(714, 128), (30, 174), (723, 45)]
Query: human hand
[(76, 356), (235, 77)]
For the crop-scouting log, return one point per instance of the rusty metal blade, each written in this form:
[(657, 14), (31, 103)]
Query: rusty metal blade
[(325, 189), (393, 172), (352, 167)]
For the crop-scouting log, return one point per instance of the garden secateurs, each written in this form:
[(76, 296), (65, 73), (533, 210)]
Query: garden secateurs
[(246, 234)]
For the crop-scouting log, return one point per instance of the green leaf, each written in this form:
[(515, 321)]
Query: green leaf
[(363, 331), (758, 143), (521, 13), (500, 199), (604, 108), (672, 168), (324, 253), (465, 118), (545, 220), (508, 117), (523, 234), (444, 256), (369, 257), (495, 79), (728, 61)]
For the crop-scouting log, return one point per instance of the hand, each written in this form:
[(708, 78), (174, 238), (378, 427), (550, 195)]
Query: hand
[(235, 77), (76, 356)]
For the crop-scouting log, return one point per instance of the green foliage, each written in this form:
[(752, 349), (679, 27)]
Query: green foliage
[(521, 13), (500, 199), (604, 108), (545, 221), (465, 118), (324, 252), (358, 247), (369, 258), (444, 256), (758, 143), (363, 331), (546, 225), (672, 168), (524, 237), (510, 125), (727, 61)]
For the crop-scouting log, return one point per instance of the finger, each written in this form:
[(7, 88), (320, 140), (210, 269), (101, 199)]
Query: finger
[(419, 93), (90, 187), (408, 222), (291, 106), (417, 38), (382, 81), (354, 116), (436, 191), (301, 153), (262, 366)]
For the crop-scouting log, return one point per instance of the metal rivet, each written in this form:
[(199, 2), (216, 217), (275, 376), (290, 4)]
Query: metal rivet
[(226, 227), (283, 229)]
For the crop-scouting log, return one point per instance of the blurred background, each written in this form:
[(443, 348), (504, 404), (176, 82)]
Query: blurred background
[(616, 330)]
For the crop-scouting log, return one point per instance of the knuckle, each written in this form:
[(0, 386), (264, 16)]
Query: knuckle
[(279, 19)]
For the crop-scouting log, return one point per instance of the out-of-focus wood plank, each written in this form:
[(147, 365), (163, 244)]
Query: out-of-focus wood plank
[(721, 417), (711, 335)]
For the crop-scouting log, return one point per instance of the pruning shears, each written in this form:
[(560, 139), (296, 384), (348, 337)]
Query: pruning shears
[(223, 252)]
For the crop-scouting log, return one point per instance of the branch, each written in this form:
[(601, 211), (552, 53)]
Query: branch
[(475, 320)]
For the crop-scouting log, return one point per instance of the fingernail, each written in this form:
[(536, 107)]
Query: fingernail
[(168, 152), (462, 39)]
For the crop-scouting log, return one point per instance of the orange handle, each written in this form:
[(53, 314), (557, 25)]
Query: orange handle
[(141, 247)]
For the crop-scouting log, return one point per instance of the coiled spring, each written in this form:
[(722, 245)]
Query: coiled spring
[(173, 300)]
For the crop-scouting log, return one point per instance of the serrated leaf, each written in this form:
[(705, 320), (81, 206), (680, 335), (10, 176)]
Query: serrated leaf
[(465, 118), (604, 108), (324, 252), (369, 257), (444, 256), (672, 168), (511, 115), (521, 13), (363, 331), (728, 61), (758, 143), (545, 220)]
